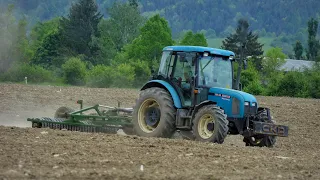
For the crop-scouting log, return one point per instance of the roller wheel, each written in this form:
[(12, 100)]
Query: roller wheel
[(210, 124), (261, 140), (154, 114), (63, 112)]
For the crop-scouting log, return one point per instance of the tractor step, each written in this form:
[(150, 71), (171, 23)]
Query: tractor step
[(81, 126)]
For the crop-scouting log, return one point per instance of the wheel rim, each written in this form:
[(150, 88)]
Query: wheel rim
[(206, 126), (149, 115)]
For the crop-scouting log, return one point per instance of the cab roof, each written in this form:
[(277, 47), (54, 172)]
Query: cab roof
[(199, 49)]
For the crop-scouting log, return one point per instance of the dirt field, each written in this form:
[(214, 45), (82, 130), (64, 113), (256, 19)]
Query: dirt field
[(27, 153)]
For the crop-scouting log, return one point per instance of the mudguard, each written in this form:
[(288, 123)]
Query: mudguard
[(168, 87)]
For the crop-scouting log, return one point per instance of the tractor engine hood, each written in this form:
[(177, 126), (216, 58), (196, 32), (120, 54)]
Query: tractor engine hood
[(230, 93), (235, 103)]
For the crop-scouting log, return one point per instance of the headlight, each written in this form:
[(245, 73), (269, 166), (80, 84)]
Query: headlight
[(254, 104), (246, 107)]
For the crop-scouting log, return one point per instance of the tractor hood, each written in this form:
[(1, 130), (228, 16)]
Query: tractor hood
[(230, 93)]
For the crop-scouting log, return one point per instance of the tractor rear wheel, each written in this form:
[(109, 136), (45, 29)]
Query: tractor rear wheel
[(154, 114), (261, 140), (210, 124)]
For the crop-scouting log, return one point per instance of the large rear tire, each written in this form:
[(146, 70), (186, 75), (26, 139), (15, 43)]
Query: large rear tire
[(210, 124), (154, 114), (261, 140)]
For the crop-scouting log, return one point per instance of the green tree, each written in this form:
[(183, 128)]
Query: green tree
[(298, 50), (243, 36), (123, 76), (250, 80), (100, 76), (313, 43), (121, 28), (45, 43), (74, 71), (47, 54), (79, 28), (273, 60), (123, 23), (194, 39), (155, 35), (134, 3), (35, 74), (244, 43), (293, 84), (256, 62), (273, 83), (41, 30), (314, 83), (142, 72)]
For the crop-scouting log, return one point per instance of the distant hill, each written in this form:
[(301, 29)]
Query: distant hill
[(279, 16), (287, 16)]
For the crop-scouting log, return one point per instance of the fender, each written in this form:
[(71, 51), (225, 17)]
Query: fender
[(166, 86), (197, 107)]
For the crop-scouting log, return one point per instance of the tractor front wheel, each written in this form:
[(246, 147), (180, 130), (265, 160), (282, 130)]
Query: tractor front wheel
[(261, 140), (210, 124), (154, 114)]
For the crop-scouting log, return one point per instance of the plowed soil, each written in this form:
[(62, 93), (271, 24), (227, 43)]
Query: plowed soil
[(27, 153)]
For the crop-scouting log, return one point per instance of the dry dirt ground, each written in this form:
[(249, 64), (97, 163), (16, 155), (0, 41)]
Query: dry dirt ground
[(27, 153)]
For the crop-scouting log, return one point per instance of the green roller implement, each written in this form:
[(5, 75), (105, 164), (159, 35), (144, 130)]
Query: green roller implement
[(97, 118)]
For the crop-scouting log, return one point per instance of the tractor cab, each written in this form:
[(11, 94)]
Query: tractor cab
[(191, 68)]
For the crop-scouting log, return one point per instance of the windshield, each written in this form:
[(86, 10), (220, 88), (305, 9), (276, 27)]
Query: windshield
[(164, 64), (215, 72)]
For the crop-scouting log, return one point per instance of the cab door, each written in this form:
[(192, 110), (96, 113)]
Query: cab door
[(183, 76)]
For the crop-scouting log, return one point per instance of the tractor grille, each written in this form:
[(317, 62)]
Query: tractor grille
[(235, 106)]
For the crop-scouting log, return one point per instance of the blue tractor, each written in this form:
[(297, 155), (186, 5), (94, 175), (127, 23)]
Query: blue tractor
[(196, 94)]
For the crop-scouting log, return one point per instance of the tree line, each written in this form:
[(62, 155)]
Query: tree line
[(218, 17), (84, 48), (281, 22)]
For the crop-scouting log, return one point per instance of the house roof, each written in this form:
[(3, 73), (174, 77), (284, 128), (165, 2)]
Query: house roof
[(298, 65), (199, 49)]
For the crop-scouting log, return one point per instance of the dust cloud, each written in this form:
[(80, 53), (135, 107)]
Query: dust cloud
[(8, 38), (19, 119)]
